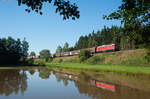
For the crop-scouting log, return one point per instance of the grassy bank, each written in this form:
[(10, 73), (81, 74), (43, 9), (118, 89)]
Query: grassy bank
[(121, 69), (127, 57)]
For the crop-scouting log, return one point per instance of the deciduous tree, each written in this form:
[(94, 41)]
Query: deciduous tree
[(32, 53), (45, 54), (63, 7), (12, 51)]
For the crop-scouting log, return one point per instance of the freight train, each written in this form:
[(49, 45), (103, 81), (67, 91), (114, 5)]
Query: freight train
[(93, 50)]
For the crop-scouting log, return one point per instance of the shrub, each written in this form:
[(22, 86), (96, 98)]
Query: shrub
[(50, 59), (95, 60), (83, 55), (30, 61), (27, 62), (134, 61), (75, 60), (147, 57), (39, 62), (60, 61)]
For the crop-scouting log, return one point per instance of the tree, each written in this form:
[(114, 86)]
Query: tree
[(12, 51), (132, 11), (90, 41), (59, 49), (32, 53), (25, 47), (71, 48), (45, 54), (82, 42), (83, 55), (64, 8), (94, 39), (135, 15), (66, 47)]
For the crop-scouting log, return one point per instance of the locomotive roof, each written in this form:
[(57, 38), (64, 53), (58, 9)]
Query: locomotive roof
[(107, 45)]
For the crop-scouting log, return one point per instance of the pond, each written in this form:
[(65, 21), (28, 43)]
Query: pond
[(44, 83)]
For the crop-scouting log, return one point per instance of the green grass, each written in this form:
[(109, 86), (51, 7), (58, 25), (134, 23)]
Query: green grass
[(127, 57), (138, 70)]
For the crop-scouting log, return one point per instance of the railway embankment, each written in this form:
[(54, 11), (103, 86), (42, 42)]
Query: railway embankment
[(130, 62), (126, 57)]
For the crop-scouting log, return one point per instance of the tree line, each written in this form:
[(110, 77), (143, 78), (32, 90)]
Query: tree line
[(64, 48), (108, 35)]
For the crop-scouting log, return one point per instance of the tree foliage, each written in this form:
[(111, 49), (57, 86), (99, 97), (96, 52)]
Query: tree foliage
[(59, 49), (66, 47), (132, 11), (25, 47), (45, 54), (84, 54), (107, 35), (12, 51), (63, 7), (135, 15), (32, 53)]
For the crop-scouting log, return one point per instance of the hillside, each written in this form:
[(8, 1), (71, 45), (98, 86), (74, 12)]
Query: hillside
[(126, 57)]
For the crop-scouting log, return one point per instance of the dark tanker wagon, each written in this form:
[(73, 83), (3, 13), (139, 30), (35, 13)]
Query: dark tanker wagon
[(92, 50), (58, 54)]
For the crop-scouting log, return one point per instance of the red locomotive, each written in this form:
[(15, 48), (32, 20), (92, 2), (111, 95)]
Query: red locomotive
[(103, 48)]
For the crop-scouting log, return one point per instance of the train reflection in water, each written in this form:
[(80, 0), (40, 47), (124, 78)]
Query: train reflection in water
[(92, 82)]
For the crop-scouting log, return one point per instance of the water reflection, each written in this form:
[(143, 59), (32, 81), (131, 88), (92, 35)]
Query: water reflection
[(44, 73), (101, 90), (12, 81), (15, 81)]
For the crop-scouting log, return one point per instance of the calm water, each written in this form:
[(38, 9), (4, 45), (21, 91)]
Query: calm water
[(47, 84)]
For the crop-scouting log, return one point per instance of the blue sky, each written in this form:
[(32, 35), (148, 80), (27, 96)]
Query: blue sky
[(50, 30)]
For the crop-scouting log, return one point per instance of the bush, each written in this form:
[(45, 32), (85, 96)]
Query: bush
[(50, 59), (84, 55), (39, 62), (60, 60), (27, 62), (95, 60), (134, 61), (30, 61), (147, 57)]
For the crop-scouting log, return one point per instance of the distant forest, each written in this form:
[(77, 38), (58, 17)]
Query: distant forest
[(110, 35)]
